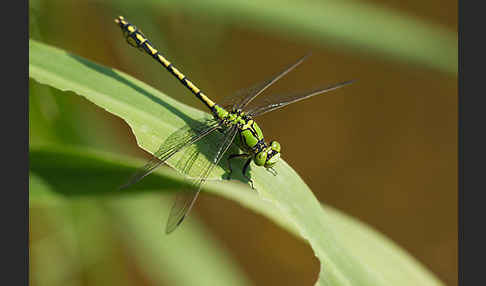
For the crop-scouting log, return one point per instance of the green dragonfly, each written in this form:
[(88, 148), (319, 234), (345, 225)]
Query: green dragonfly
[(232, 122)]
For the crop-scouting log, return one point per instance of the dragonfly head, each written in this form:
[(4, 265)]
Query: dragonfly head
[(269, 155)]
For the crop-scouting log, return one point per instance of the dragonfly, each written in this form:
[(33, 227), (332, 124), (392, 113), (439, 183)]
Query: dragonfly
[(232, 122)]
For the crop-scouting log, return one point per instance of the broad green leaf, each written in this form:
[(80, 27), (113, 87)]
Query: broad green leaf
[(359, 26), (154, 116)]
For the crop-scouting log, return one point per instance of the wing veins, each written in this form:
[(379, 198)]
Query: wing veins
[(245, 96), (257, 111), (169, 148), (271, 81), (186, 199)]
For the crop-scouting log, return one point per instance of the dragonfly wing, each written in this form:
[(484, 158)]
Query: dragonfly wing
[(174, 143), (245, 96), (199, 174), (279, 101)]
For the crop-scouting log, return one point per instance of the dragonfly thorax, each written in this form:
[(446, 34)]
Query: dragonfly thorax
[(250, 139)]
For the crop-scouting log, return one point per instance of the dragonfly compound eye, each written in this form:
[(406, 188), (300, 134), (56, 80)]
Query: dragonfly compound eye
[(272, 158), (275, 146), (261, 158)]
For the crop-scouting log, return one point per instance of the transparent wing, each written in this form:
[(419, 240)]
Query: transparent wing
[(174, 143), (279, 101), (245, 96), (190, 166)]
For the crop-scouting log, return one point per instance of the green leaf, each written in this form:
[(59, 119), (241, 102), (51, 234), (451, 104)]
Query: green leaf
[(357, 25), (362, 259)]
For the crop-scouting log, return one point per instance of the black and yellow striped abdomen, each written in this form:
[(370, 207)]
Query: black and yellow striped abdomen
[(137, 39)]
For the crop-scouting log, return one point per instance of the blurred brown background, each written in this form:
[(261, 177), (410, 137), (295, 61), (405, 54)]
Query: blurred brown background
[(383, 150)]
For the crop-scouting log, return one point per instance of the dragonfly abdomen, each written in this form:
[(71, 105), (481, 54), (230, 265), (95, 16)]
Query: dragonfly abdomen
[(138, 40)]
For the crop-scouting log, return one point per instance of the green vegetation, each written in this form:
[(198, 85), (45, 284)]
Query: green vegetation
[(73, 184)]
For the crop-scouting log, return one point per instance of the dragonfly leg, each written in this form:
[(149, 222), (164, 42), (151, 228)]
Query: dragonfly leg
[(231, 157), (272, 171), (245, 168)]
